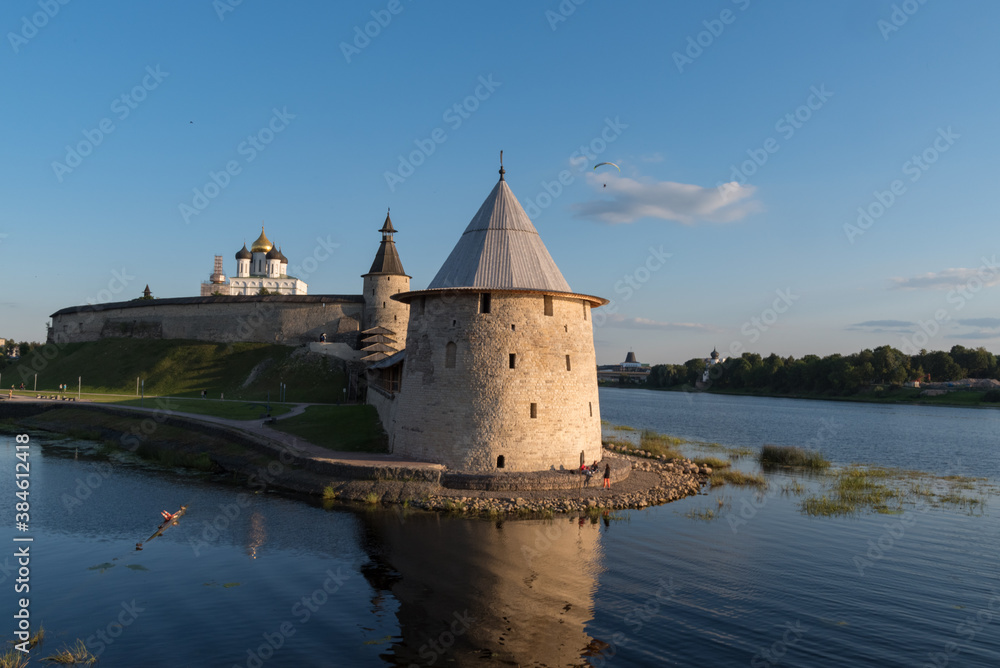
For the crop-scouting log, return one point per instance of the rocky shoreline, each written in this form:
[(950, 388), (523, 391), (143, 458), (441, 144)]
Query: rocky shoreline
[(651, 482), (639, 479)]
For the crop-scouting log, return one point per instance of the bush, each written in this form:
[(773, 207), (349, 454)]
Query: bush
[(788, 455), (993, 397)]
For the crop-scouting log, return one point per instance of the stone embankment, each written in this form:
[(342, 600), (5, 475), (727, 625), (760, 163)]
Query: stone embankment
[(645, 482), (638, 478)]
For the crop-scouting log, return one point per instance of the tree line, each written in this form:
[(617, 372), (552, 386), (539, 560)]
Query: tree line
[(839, 374)]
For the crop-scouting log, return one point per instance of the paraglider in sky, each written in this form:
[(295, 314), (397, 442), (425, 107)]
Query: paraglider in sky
[(608, 163)]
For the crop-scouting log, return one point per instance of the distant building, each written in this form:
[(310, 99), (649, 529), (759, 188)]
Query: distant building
[(710, 361), (262, 267), (631, 369)]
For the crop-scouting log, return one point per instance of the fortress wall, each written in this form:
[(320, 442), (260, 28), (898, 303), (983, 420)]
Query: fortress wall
[(468, 415), (385, 406), (262, 320)]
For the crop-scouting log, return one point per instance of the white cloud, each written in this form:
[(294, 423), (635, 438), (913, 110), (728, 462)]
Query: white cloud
[(685, 203), (883, 326), (986, 323), (620, 321), (949, 279)]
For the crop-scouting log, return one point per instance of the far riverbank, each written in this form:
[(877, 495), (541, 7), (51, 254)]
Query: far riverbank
[(900, 396)]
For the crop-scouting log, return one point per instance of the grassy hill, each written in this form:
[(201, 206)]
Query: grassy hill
[(184, 368)]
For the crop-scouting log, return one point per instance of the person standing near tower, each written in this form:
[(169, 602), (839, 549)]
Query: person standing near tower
[(607, 476)]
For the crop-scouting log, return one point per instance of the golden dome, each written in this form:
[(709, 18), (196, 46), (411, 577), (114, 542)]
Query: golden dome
[(262, 245)]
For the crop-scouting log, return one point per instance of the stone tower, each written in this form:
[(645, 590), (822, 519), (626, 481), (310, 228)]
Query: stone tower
[(385, 279), (500, 370)]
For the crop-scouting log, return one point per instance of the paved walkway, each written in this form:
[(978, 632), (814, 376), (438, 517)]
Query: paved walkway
[(256, 427)]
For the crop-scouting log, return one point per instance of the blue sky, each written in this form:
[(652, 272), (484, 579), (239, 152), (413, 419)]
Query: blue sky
[(808, 111)]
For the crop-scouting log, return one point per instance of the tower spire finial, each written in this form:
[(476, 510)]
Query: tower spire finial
[(501, 166)]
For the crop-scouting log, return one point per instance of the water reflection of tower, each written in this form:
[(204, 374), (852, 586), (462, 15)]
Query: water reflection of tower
[(474, 592), (257, 534)]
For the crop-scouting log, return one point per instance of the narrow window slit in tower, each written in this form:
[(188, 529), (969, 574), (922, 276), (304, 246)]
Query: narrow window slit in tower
[(548, 304), (500, 462), (450, 351), (534, 410), (513, 360), (568, 365), (484, 302), (590, 405)]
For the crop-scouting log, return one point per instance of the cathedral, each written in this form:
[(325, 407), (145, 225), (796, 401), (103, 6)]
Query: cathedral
[(263, 267)]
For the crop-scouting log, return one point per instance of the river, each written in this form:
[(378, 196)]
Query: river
[(260, 579)]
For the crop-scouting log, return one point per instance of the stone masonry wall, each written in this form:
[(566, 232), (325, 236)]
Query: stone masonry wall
[(385, 405), (468, 415), (264, 320), (381, 310)]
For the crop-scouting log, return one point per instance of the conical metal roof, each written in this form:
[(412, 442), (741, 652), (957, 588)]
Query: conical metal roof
[(387, 227), (387, 258), (500, 249)]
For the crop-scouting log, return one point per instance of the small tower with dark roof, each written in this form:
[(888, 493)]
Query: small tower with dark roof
[(243, 257), (273, 262), (385, 279)]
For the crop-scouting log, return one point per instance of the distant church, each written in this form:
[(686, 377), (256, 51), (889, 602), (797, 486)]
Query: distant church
[(262, 267)]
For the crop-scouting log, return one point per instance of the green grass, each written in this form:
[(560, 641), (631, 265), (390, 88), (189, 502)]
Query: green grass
[(856, 489), (969, 503), (329, 493), (78, 654), (659, 444), (712, 462), (620, 442), (185, 368), (340, 428), (232, 410), (786, 455), (709, 514), (739, 478), (795, 487), (175, 459), (13, 658)]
